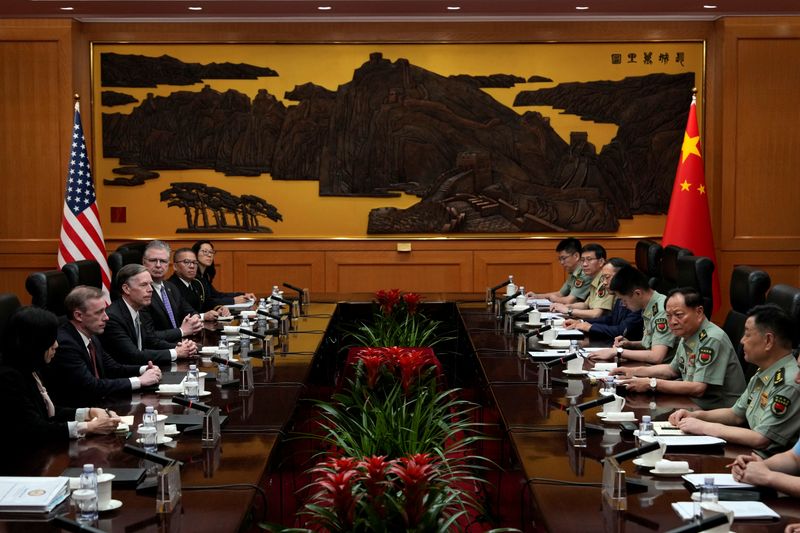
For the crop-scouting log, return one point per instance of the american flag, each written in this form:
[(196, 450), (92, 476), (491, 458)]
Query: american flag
[(81, 234)]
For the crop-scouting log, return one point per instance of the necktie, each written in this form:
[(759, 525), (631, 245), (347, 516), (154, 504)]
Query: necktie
[(51, 409), (93, 358), (167, 305), (138, 326)]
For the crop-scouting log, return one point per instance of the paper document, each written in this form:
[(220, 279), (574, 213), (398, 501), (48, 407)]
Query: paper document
[(665, 429), (691, 440), (32, 494), (721, 481), (741, 510)]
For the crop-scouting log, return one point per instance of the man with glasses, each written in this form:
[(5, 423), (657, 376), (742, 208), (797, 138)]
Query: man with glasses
[(185, 279), (600, 300), (169, 315), (577, 286)]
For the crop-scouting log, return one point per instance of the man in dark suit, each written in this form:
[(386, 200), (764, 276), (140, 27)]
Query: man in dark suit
[(82, 373), (171, 317), (184, 261), (128, 337)]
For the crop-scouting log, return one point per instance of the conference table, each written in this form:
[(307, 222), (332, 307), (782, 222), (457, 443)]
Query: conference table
[(560, 489)]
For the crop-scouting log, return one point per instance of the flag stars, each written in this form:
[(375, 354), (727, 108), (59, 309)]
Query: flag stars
[(702, 189), (685, 186), (690, 146)]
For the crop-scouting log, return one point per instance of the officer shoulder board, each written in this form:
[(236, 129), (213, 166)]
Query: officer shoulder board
[(703, 335), (780, 377)]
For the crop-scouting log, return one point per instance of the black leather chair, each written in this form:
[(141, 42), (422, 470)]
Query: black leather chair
[(117, 260), (48, 290), (698, 272), (748, 289), (668, 279), (648, 259), (788, 298), (8, 304), (135, 247), (85, 272)]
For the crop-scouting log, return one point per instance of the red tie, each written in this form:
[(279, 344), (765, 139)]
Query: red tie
[(93, 357)]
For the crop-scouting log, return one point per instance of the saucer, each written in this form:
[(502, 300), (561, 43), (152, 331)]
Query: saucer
[(671, 472), (172, 433), (557, 343), (616, 419), (575, 372), (210, 350), (644, 464), (112, 505)]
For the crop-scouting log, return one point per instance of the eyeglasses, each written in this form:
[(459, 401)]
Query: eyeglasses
[(157, 261), (563, 258), (588, 259), (187, 262), (212, 253)]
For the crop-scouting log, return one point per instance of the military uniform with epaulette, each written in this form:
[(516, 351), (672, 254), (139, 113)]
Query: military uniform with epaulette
[(709, 357), (656, 329), (771, 404), (577, 285), (599, 295)]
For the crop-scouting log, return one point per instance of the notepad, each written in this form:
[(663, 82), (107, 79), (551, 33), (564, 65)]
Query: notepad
[(664, 428), (721, 481), (32, 494), (691, 440), (741, 510)]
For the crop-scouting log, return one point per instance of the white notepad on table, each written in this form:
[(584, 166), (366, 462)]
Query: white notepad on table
[(741, 510), (721, 481)]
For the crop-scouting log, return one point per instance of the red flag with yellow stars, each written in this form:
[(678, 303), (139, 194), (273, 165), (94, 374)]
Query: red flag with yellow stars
[(689, 220)]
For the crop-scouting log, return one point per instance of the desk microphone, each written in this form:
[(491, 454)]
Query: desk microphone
[(262, 336), (595, 403), (505, 300), (702, 525), (636, 452), (500, 285), (279, 299), (566, 358), (180, 400), (157, 458), (542, 330), (216, 359), (269, 314), (526, 310)]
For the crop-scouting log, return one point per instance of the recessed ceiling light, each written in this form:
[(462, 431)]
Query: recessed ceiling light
[(453, 8), (581, 8), (195, 8), (710, 6), (324, 8), (67, 8)]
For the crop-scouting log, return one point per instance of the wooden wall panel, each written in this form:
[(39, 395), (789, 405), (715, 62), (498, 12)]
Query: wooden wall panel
[(423, 271), (761, 73), (539, 275), (257, 272)]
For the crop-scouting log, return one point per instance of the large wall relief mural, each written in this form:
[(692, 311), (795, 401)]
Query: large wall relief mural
[(348, 140)]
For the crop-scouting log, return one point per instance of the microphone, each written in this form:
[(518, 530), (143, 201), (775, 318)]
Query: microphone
[(543, 329), (279, 299), (703, 525), (192, 404), (296, 289), (636, 452), (500, 285), (157, 458), (564, 359), (71, 525), (269, 314), (249, 333), (216, 359), (507, 299), (526, 310), (595, 403)]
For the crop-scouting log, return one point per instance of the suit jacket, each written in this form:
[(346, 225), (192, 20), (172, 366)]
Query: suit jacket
[(159, 319), (21, 398), (621, 321), (70, 378), (193, 294), (213, 296), (119, 338)]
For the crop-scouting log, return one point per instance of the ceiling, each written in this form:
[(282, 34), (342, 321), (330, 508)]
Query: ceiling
[(264, 10)]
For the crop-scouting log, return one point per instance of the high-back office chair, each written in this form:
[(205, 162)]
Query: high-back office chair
[(84, 272), (698, 272), (668, 278), (748, 289), (117, 260), (8, 304), (788, 298), (134, 247), (48, 290), (648, 259)]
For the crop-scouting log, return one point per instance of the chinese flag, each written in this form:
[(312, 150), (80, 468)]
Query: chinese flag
[(689, 219)]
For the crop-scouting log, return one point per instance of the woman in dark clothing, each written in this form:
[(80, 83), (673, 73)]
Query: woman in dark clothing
[(206, 272), (28, 345)]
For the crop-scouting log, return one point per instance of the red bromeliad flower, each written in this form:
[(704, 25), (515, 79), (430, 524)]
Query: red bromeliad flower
[(374, 470), (416, 474), (372, 363), (412, 301), (337, 491), (388, 300)]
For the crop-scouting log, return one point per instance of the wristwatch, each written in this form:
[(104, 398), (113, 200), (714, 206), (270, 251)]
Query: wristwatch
[(569, 312), (620, 349), (653, 384)]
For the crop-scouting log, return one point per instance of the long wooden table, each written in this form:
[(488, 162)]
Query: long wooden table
[(254, 426), (536, 425)]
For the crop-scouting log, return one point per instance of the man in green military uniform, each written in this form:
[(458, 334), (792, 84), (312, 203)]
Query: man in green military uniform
[(576, 288), (765, 417), (658, 343), (600, 300), (705, 366)]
